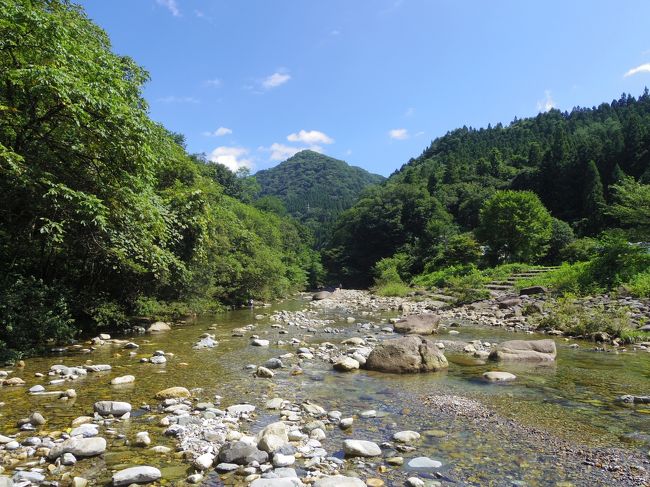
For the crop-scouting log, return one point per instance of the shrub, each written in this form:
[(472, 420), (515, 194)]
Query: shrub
[(580, 250), (577, 320), (392, 289), (31, 314), (639, 285)]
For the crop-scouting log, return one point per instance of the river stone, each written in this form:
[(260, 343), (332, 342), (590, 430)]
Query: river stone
[(425, 324), (115, 408), (532, 290), (242, 453), (79, 447), (136, 475), (36, 389), (273, 363), (361, 448), (424, 462), (264, 372), (125, 379), (273, 437), (158, 326), (28, 476), (68, 459), (279, 482), (158, 359), (281, 460), (37, 419), (406, 436), (525, 351), (14, 381), (98, 368), (173, 393), (410, 354), (346, 364), (204, 462), (321, 295), (258, 342), (87, 430), (496, 376), (239, 409), (339, 481)]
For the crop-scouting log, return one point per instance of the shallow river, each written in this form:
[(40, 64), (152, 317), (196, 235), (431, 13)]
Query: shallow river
[(573, 399)]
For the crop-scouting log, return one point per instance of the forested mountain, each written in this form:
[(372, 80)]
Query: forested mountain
[(315, 189), (569, 159), (102, 213)]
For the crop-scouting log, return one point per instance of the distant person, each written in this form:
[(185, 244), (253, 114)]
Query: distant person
[(250, 303)]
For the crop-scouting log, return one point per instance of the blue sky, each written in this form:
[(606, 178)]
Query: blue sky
[(249, 82)]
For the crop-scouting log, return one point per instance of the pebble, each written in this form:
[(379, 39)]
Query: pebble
[(136, 475)]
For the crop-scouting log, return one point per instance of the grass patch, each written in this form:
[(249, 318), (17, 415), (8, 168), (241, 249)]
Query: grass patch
[(503, 272), (174, 310), (573, 319), (567, 279), (639, 285), (393, 289)]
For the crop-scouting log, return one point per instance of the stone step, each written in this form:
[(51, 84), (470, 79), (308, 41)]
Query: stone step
[(498, 287), (442, 297)]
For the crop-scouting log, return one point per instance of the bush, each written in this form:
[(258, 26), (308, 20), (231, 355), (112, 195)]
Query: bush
[(441, 277), (110, 315), (580, 250), (502, 272), (577, 320), (391, 269), (568, 278), (639, 285), (398, 289), (460, 249), (31, 314)]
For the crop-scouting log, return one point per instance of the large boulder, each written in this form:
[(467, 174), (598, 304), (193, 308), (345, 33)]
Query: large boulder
[(410, 354), (321, 295), (525, 351), (79, 447), (425, 324)]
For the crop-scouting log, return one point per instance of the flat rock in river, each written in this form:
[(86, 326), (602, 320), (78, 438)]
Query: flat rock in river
[(525, 351), (136, 475), (424, 324)]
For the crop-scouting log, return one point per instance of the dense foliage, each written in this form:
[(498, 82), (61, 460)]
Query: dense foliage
[(590, 168), (102, 213), (315, 189)]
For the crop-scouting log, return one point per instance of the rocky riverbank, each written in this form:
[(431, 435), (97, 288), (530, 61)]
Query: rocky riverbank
[(285, 435)]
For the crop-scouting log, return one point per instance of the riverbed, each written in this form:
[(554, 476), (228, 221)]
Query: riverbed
[(557, 424)]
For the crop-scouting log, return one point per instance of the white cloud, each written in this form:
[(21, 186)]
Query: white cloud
[(547, 103), (644, 68), (280, 152), (215, 83), (398, 134), (310, 137), (220, 132), (177, 99), (275, 80), (233, 158), (171, 6), (409, 112)]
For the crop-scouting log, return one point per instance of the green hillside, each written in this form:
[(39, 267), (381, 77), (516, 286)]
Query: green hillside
[(570, 160), (315, 188)]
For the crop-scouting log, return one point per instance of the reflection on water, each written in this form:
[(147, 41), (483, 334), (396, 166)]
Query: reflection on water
[(573, 398)]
